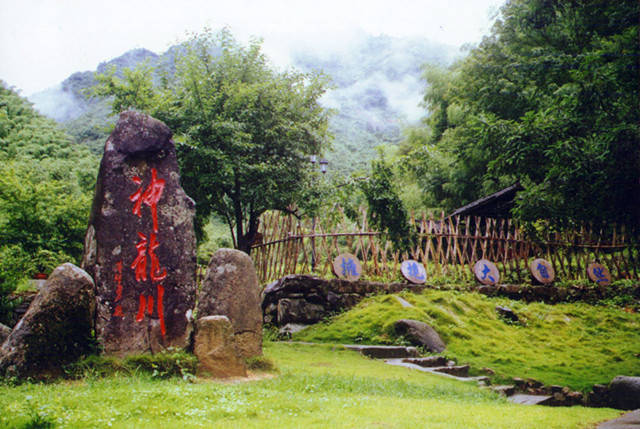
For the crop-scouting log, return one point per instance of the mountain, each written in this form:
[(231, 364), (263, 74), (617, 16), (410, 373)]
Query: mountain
[(377, 90)]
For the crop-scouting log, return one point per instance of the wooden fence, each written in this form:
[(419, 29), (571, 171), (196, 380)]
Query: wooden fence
[(446, 246)]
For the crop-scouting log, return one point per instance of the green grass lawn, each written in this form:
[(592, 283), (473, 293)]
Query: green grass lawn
[(317, 386), (576, 345)]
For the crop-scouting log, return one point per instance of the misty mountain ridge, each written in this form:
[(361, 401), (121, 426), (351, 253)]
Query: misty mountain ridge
[(377, 81)]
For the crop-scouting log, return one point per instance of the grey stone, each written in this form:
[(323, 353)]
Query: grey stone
[(230, 288), (216, 350), (523, 399), (140, 246), (505, 390), (57, 328), (628, 421), (624, 393), (458, 371), (291, 310), (429, 361), (419, 334), (384, 352)]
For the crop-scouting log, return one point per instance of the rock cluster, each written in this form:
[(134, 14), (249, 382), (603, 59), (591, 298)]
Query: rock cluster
[(304, 299)]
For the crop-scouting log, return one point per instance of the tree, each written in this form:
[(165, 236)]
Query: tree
[(46, 184), (386, 211), (244, 130), (550, 99)]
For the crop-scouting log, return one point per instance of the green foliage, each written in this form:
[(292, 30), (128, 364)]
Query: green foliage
[(549, 99), (245, 130), (556, 344), (45, 191), (386, 210)]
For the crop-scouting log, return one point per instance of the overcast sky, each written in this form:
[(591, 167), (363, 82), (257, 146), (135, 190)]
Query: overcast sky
[(42, 42)]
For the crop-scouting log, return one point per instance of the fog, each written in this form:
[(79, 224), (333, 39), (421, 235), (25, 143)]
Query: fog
[(44, 41)]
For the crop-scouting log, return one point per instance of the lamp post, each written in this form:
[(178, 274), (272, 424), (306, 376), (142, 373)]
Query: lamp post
[(323, 168)]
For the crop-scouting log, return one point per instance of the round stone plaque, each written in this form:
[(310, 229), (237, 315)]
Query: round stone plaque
[(486, 272), (413, 271), (542, 271), (599, 274), (346, 266)]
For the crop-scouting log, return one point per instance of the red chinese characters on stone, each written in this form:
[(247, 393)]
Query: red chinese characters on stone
[(118, 278), (150, 196), (139, 265), (146, 252)]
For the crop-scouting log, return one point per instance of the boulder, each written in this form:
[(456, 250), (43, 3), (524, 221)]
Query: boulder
[(419, 334), (299, 311), (230, 288), (140, 246), (57, 328), (216, 350), (624, 393)]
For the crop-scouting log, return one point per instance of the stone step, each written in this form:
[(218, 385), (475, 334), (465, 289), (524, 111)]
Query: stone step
[(521, 398), (384, 352), (430, 361)]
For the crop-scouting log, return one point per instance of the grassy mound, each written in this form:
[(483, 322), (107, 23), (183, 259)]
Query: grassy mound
[(576, 344)]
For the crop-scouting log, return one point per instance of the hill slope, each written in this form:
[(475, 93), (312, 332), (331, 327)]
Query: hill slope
[(576, 344), (378, 88)]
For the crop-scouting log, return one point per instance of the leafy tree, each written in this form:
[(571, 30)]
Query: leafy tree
[(386, 211), (245, 130), (46, 184), (550, 99)]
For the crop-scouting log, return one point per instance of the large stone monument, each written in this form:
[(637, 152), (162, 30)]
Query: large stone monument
[(140, 246)]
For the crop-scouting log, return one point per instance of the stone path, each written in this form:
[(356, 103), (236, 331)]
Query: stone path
[(628, 421), (434, 370)]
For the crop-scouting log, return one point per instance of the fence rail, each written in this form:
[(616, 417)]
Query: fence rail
[(446, 246)]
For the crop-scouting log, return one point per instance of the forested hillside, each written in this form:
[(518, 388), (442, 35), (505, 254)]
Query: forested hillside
[(46, 185), (377, 89)]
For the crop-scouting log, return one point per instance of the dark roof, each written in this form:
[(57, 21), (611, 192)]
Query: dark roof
[(497, 205)]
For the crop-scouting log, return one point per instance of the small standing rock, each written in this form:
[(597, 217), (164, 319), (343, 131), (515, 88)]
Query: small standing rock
[(230, 288), (215, 348)]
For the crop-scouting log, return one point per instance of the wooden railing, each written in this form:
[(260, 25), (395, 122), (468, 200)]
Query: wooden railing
[(446, 246)]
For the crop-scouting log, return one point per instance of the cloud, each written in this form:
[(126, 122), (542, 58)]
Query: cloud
[(44, 41)]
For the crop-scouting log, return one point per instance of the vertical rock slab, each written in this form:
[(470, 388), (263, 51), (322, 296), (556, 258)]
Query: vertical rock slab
[(140, 246), (230, 288), (55, 330)]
